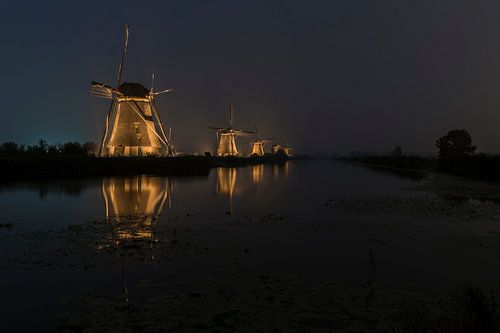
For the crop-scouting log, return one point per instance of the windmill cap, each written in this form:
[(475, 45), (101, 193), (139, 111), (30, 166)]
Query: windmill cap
[(133, 90)]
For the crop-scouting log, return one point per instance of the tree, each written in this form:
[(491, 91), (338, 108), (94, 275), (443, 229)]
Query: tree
[(9, 148), (42, 147), (89, 148), (457, 143), (54, 149), (397, 151), (72, 148)]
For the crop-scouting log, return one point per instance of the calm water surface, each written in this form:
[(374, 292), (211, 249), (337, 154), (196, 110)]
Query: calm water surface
[(308, 236), (280, 189)]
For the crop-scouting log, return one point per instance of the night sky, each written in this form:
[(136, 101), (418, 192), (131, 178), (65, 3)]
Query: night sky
[(322, 76)]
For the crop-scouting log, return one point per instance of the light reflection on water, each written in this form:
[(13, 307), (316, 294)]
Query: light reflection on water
[(138, 201), (257, 173), (254, 189)]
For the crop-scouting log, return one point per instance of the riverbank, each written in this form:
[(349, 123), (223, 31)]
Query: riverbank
[(78, 166), (479, 166)]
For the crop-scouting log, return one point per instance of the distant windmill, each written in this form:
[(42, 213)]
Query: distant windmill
[(258, 144), (226, 137), (277, 149), (133, 126), (288, 151)]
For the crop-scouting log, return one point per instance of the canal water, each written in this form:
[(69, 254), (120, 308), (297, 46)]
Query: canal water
[(317, 220)]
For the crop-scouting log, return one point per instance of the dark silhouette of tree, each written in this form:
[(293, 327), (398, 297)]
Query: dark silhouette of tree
[(9, 148), (72, 148), (54, 149), (457, 143), (42, 147), (89, 148), (397, 151)]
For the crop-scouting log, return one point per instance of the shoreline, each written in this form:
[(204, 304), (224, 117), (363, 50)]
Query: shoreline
[(478, 167), (67, 166)]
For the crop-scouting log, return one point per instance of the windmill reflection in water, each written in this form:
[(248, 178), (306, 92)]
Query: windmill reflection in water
[(132, 206), (226, 185)]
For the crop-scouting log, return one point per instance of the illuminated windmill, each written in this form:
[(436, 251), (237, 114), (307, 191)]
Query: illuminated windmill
[(258, 144), (133, 126), (288, 151), (226, 137)]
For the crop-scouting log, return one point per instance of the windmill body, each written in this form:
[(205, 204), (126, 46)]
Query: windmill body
[(288, 151), (257, 148), (132, 130), (227, 143), (276, 148), (259, 144)]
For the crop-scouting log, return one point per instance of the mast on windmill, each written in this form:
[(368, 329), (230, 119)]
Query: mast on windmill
[(133, 126), (258, 144), (226, 137)]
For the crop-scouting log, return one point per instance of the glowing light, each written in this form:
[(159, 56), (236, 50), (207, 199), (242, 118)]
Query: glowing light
[(257, 173)]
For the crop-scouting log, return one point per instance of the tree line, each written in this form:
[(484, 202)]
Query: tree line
[(454, 144), (42, 147)]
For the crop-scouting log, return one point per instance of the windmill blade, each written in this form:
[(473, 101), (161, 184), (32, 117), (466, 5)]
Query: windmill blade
[(139, 113), (217, 128), (162, 92), (231, 111), (242, 133), (101, 95), (122, 60), (152, 82), (168, 145), (100, 84), (101, 90)]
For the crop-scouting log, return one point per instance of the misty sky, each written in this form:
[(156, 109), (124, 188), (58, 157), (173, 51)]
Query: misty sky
[(324, 76)]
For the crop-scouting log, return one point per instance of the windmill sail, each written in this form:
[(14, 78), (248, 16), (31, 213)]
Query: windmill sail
[(101, 90), (122, 60)]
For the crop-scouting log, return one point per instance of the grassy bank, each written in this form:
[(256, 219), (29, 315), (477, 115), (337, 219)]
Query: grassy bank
[(76, 160), (88, 166), (75, 166), (478, 166), (399, 162)]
